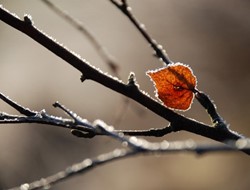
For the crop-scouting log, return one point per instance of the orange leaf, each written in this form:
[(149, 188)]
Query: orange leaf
[(174, 85)]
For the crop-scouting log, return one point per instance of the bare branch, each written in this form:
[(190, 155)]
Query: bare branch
[(76, 169), (16, 106), (132, 145), (207, 103), (150, 132), (107, 57), (164, 147), (136, 146), (158, 49), (83, 128), (178, 122)]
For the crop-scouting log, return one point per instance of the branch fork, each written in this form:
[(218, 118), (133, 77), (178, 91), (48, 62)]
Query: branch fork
[(80, 127)]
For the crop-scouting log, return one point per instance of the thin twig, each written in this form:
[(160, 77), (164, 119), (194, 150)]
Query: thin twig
[(41, 117), (164, 147), (103, 53), (159, 50), (98, 127), (16, 106), (210, 106), (76, 169), (153, 132)]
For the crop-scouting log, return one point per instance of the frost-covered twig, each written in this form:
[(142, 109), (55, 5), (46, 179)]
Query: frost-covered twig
[(16, 106), (134, 145), (164, 147), (158, 49), (131, 90), (83, 128), (210, 106), (76, 169), (107, 57)]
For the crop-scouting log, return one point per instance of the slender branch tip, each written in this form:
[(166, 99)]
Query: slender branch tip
[(56, 104)]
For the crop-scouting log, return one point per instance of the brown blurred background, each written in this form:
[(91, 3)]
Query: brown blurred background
[(211, 36)]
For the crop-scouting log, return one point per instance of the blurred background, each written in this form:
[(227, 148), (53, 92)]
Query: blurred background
[(210, 36)]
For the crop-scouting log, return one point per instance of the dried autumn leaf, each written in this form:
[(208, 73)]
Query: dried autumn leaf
[(174, 85)]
